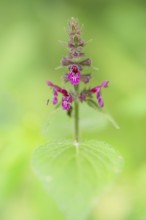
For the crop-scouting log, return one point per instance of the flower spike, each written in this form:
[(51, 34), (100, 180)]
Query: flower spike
[(75, 64)]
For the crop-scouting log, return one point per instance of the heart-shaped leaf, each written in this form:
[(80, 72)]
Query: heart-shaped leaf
[(76, 175)]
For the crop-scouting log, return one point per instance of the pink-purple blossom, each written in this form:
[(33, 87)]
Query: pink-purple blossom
[(97, 90), (66, 102), (66, 96), (74, 75)]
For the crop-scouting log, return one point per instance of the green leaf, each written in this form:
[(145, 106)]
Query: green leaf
[(76, 175)]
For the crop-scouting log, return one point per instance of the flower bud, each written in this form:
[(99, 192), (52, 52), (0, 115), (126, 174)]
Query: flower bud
[(86, 62), (85, 78), (66, 62)]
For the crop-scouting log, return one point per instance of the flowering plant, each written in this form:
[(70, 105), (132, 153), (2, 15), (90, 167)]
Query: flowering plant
[(75, 173), (75, 65)]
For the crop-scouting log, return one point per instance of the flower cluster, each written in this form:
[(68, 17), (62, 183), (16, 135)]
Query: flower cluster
[(75, 64), (66, 96)]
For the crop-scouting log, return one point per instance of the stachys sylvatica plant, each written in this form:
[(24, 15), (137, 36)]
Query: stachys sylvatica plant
[(75, 63), (75, 172)]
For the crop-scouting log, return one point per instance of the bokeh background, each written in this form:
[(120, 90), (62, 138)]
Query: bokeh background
[(31, 48)]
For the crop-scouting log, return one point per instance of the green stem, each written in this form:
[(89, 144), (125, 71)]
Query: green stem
[(76, 114)]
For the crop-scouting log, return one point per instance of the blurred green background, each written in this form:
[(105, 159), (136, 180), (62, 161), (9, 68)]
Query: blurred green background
[(29, 53)]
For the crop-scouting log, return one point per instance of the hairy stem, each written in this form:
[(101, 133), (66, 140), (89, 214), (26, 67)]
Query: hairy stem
[(76, 114)]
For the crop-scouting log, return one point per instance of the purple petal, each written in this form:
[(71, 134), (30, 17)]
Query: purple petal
[(98, 93), (49, 83), (55, 100), (100, 101), (55, 97), (55, 93), (99, 97)]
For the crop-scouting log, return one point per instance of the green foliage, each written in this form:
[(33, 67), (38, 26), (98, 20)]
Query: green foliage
[(76, 175)]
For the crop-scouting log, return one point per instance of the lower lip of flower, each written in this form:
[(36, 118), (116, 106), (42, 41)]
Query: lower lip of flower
[(74, 78), (65, 105)]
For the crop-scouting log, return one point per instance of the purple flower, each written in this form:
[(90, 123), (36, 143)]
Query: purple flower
[(66, 102), (74, 75), (97, 90), (66, 96)]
